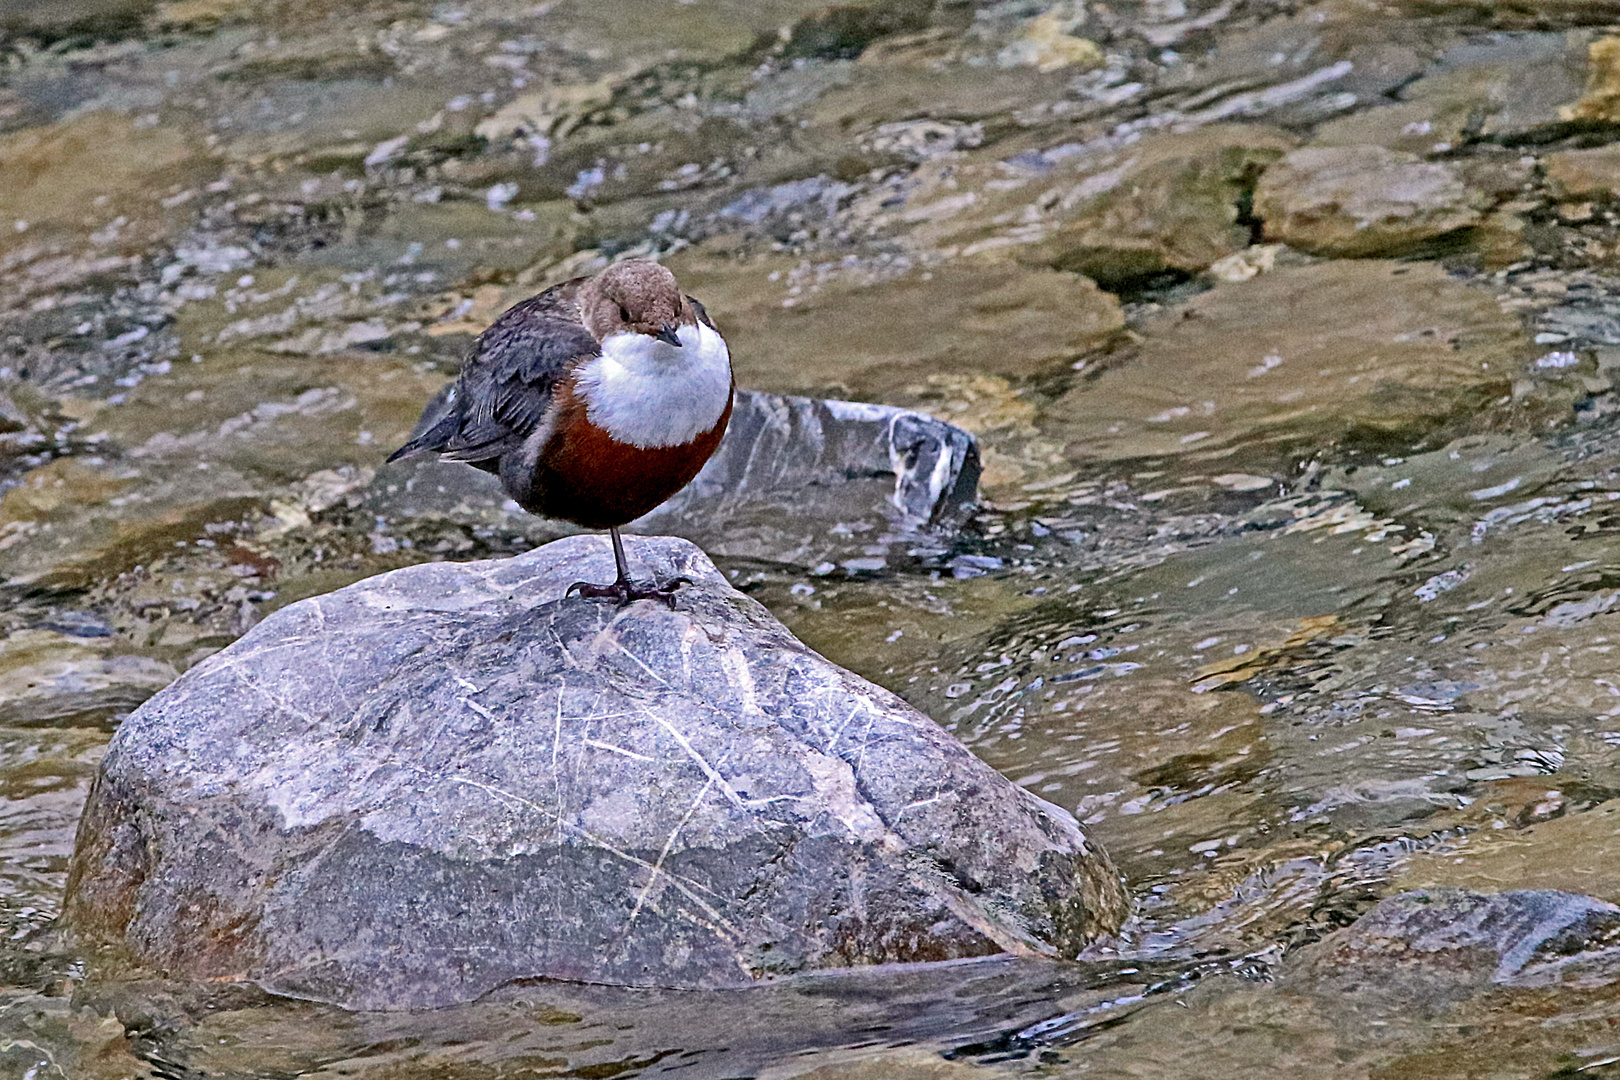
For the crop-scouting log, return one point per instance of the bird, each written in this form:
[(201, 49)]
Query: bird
[(593, 402)]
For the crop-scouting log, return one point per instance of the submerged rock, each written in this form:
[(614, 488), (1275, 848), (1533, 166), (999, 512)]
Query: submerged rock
[(1433, 946), (1573, 852), (439, 780), (1389, 347), (1361, 200), (96, 181), (870, 328), (804, 480), (53, 678), (1120, 212)]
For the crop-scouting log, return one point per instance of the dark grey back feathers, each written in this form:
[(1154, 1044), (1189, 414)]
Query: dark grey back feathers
[(505, 388)]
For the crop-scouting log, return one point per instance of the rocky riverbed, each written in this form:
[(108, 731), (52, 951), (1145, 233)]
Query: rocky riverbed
[(1288, 332)]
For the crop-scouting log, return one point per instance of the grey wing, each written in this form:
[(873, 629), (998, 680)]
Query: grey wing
[(505, 388)]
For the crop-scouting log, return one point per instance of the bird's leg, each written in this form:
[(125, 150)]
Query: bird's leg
[(623, 589)]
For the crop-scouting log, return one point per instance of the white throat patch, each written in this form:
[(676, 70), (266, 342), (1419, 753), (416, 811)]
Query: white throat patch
[(649, 394)]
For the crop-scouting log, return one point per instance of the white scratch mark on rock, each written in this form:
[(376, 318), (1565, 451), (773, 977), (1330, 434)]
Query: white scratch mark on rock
[(708, 770), (742, 678), (500, 793), (721, 925), (832, 742), (598, 744), (936, 797), (651, 674), (866, 736), (556, 746), (658, 866)]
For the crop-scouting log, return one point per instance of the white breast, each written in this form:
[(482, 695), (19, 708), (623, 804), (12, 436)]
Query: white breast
[(649, 394)]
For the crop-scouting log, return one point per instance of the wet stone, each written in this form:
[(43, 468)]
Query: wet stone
[(805, 481), (1518, 14), (1118, 211), (626, 32), (843, 31), (1173, 204), (413, 790), (1326, 44), (1601, 101), (39, 1033), (868, 328), (1502, 87), (1585, 174), (51, 19), (1430, 947), (903, 81), (1389, 347), (1361, 201)]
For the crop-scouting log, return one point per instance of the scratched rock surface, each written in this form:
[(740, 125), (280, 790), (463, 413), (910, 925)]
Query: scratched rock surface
[(434, 782)]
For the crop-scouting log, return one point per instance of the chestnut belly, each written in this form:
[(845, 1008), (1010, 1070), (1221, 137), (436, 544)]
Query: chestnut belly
[(587, 477)]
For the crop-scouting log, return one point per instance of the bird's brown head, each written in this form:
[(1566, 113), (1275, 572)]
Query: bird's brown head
[(636, 296)]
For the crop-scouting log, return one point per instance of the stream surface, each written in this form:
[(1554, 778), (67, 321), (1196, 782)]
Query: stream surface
[(1289, 332)]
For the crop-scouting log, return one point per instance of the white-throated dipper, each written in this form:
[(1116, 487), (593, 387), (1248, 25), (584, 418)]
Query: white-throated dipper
[(593, 402)]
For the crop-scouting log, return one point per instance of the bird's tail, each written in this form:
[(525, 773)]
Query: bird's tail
[(439, 423)]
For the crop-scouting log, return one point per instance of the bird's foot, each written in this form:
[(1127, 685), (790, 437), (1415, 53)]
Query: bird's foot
[(626, 592)]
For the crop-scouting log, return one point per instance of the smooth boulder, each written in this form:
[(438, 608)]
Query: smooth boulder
[(445, 778)]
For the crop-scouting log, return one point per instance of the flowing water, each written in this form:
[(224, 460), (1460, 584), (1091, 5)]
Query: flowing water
[(1289, 332)]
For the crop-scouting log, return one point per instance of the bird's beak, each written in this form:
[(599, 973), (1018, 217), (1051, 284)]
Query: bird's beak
[(666, 334)]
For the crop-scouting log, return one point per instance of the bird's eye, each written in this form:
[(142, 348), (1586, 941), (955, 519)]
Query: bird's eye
[(624, 313)]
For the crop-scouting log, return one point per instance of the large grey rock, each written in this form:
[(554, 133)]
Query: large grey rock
[(804, 481), (412, 790)]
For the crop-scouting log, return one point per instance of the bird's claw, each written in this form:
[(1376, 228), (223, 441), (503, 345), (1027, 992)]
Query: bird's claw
[(626, 592)]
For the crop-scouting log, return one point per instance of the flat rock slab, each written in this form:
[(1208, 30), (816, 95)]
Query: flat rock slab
[(448, 777), (1389, 347), (1360, 201)]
